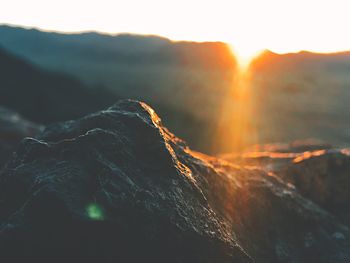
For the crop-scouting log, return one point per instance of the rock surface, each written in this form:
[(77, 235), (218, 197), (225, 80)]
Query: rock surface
[(318, 171), (13, 128), (324, 178), (117, 186)]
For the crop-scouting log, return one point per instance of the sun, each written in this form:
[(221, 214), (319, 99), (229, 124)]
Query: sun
[(245, 54)]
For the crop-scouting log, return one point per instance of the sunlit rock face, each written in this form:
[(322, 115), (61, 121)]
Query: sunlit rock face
[(271, 220), (324, 178), (320, 172), (13, 128), (116, 186)]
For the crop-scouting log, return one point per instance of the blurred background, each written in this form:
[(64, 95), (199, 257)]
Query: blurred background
[(220, 89), (49, 77)]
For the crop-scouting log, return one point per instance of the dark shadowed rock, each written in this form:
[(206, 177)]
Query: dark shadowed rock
[(116, 186), (324, 178), (271, 221), (319, 172), (13, 128), (108, 187)]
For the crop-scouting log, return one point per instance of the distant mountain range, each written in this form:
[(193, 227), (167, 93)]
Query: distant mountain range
[(44, 96), (294, 96), (120, 61), (301, 95)]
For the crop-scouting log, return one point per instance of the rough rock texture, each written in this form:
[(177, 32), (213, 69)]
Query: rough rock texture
[(272, 221), (116, 186), (13, 128), (319, 172), (324, 178)]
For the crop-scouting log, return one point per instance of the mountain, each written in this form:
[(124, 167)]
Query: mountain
[(302, 95), (44, 96), (125, 63), (175, 77)]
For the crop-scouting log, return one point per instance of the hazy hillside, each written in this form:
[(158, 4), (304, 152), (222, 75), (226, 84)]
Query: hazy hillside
[(45, 96), (146, 67), (302, 95)]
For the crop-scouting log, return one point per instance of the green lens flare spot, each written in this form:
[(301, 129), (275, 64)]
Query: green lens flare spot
[(95, 211)]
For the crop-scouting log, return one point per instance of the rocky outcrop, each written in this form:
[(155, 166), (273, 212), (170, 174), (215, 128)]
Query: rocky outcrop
[(320, 172), (13, 128), (118, 186), (272, 221), (323, 178)]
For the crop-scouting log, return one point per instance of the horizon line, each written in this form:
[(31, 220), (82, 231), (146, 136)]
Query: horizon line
[(116, 34)]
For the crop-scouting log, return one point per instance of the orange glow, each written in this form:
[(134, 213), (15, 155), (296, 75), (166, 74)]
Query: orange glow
[(245, 54), (308, 155), (235, 129)]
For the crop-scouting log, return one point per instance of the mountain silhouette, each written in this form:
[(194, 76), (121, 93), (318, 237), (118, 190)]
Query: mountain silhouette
[(44, 96)]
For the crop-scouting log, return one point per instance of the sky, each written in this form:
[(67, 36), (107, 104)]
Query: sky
[(248, 25)]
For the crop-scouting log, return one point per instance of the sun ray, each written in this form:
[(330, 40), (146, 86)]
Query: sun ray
[(236, 123)]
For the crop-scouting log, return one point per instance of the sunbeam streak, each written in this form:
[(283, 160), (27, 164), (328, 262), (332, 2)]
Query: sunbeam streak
[(236, 125)]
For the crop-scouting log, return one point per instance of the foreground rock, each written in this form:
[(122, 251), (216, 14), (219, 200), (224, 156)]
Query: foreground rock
[(13, 128), (319, 172), (116, 186), (324, 178)]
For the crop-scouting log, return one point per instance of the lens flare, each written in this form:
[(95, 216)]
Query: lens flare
[(236, 124), (95, 211), (245, 54)]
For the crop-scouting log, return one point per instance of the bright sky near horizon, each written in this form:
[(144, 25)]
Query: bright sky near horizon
[(249, 25)]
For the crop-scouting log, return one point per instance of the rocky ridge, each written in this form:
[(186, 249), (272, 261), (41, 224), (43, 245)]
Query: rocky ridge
[(117, 185)]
